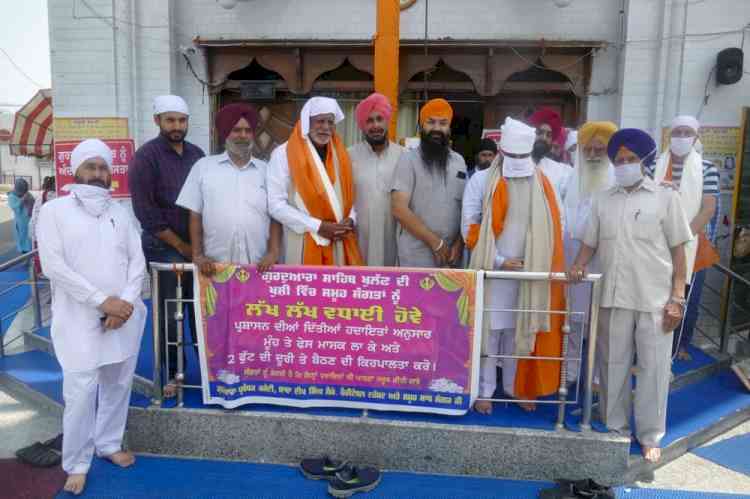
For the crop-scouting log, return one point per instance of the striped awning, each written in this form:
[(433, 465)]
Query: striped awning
[(32, 132)]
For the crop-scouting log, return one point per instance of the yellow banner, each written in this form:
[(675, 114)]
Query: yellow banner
[(67, 129)]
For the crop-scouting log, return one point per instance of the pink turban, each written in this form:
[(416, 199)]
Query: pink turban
[(547, 116), (374, 102), (229, 115)]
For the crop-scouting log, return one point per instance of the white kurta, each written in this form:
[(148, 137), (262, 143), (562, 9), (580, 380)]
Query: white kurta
[(503, 294), (558, 175), (88, 259), (279, 183), (373, 175)]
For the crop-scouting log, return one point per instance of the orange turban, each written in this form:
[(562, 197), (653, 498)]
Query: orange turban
[(435, 108), (601, 130)]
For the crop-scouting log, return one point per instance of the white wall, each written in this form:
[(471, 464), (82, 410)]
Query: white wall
[(642, 92)]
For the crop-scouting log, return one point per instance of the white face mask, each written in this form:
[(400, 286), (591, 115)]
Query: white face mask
[(95, 200), (517, 167), (681, 146), (629, 174)]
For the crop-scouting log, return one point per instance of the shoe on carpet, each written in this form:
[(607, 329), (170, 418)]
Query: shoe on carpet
[(353, 479), (320, 468)]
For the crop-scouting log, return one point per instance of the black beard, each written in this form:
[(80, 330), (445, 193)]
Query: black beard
[(376, 141), (171, 136), (540, 150), (94, 181), (434, 149), (483, 166)]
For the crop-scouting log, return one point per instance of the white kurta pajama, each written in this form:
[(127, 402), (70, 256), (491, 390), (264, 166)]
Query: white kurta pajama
[(88, 259), (376, 230), (503, 293)]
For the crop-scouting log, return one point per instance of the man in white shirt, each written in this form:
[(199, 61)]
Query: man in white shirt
[(91, 251), (373, 163), (227, 199), (639, 230), (311, 190)]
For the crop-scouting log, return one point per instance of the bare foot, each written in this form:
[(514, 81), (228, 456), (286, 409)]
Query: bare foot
[(75, 483), (483, 407), (122, 458), (527, 406), (684, 355), (170, 390), (651, 454)]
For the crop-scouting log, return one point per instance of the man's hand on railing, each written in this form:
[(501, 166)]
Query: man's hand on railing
[(512, 264), (204, 264), (576, 273), (268, 261), (116, 307)]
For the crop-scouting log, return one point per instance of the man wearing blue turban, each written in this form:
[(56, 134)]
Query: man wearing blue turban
[(638, 229)]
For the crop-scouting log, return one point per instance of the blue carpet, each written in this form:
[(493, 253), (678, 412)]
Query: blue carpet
[(14, 299), (731, 453), (153, 477), (41, 372), (697, 406), (699, 359)]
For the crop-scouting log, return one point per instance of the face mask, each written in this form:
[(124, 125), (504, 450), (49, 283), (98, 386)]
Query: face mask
[(517, 167), (681, 146), (629, 174), (95, 200)]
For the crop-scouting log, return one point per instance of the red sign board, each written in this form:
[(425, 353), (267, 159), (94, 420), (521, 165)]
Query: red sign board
[(122, 153)]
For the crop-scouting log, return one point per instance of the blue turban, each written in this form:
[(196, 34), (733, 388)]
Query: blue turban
[(637, 141)]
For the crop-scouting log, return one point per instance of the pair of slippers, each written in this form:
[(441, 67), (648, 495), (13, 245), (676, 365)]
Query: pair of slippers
[(573, 489), (344, 479), (42, 454)]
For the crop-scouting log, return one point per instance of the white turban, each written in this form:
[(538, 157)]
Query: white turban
[(517, 137), (317, 106), (90, 149), (571, 140), (685, 120), (170, 104)]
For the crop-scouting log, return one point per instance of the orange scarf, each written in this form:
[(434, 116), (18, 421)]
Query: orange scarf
[(535, 378), (705, 255), (309, 185)]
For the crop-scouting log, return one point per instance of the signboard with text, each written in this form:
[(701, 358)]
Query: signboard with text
[(69, 129), (387, 339), (122, 153)]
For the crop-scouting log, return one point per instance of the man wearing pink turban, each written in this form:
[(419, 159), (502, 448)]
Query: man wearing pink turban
[(373, 162), (549, 130)]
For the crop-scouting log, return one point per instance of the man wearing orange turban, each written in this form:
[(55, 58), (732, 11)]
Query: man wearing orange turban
[(373, 162), (426, 193)]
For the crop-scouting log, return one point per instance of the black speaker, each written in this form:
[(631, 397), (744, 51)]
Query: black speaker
[(729, 66)]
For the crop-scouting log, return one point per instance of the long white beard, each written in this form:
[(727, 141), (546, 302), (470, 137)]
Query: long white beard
[(593, 177)]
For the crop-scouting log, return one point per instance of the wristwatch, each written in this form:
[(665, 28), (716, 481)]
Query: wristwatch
[(679, 301)]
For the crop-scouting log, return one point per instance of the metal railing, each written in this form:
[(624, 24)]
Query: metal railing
[(33, 281), (562, 392), (179, 343)]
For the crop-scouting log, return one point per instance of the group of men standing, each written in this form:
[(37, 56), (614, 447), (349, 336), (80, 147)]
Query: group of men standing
[(377, 204)]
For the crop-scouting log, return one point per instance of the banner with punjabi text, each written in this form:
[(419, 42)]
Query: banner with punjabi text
[(301, 336)]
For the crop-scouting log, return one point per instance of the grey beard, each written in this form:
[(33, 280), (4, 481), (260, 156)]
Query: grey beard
[(241, 150)]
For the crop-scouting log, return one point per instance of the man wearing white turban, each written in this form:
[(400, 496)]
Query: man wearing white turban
[(511, 221), (697, 181), (311, 190), (157, 174), (90, 249)]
